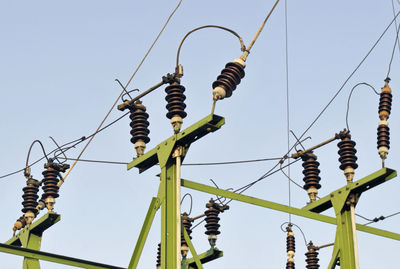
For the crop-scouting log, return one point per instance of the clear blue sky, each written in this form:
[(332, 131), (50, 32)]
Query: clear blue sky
[(58, 62)]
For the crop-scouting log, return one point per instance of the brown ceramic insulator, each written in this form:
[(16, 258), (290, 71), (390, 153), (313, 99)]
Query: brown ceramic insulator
[(230, 77), (347, 153), (383, 136), (50, 180), (175, 99), (187, 224), (290, 243), (139, 122), (385, 105), (30, 197), (312, 258), (212, 218), (310, 171), (290, 265), (158, 261)]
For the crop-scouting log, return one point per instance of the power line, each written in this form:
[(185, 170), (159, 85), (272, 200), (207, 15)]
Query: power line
[(287, 108), (119, 96), (394, 49), (349, 77), (74, 142)]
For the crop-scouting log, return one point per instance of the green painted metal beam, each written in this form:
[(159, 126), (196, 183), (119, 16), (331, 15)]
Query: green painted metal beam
[(154, 205), (209, 124), (37, 228), (50, 257), (196, 259), (357, 187), (283, 208), (209, 255)]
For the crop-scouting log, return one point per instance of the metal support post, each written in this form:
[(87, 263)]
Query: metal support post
[(31, 237), (169, 226)]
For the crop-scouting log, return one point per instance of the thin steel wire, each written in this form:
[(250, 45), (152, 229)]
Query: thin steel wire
[(287, 108), (348, 100), (349, 77), (242, 46), (298, 227), (191, 202), (29, 152), (119, 96), (394, 49)]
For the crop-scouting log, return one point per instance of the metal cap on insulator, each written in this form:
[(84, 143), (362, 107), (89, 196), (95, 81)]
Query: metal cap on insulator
[(383, 131), (290, 247), (139, 126), (229, 78), (311, 175), (347, 157), (312, 257), (176, 105)]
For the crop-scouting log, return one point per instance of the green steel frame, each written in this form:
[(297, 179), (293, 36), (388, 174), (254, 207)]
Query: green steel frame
[(27, 242)]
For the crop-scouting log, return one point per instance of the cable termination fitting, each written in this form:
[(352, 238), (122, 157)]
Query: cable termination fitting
[(383, 131), (229, 78), (212, 220), (51, 173), (175, 106), (290, 247), (347, 157), (19, 223), (187, 224), (312, 257), (311, 175)]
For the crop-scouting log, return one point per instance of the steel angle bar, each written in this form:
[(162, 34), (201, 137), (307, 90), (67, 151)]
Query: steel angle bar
[(283, 208), (50, 257)]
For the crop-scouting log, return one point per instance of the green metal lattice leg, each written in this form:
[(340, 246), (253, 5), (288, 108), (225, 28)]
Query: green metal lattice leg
[(169, 247)]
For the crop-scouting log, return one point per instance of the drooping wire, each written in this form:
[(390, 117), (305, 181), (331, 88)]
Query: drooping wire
[(293, 224), (122, 92), (349, 77), (348, 100), (191, 201), (242, 46), (29, 152), (394, 49)]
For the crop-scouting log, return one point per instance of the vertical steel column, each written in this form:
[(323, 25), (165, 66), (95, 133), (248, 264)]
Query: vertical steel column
[(169, 246), (31, 241), (344, 231)]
